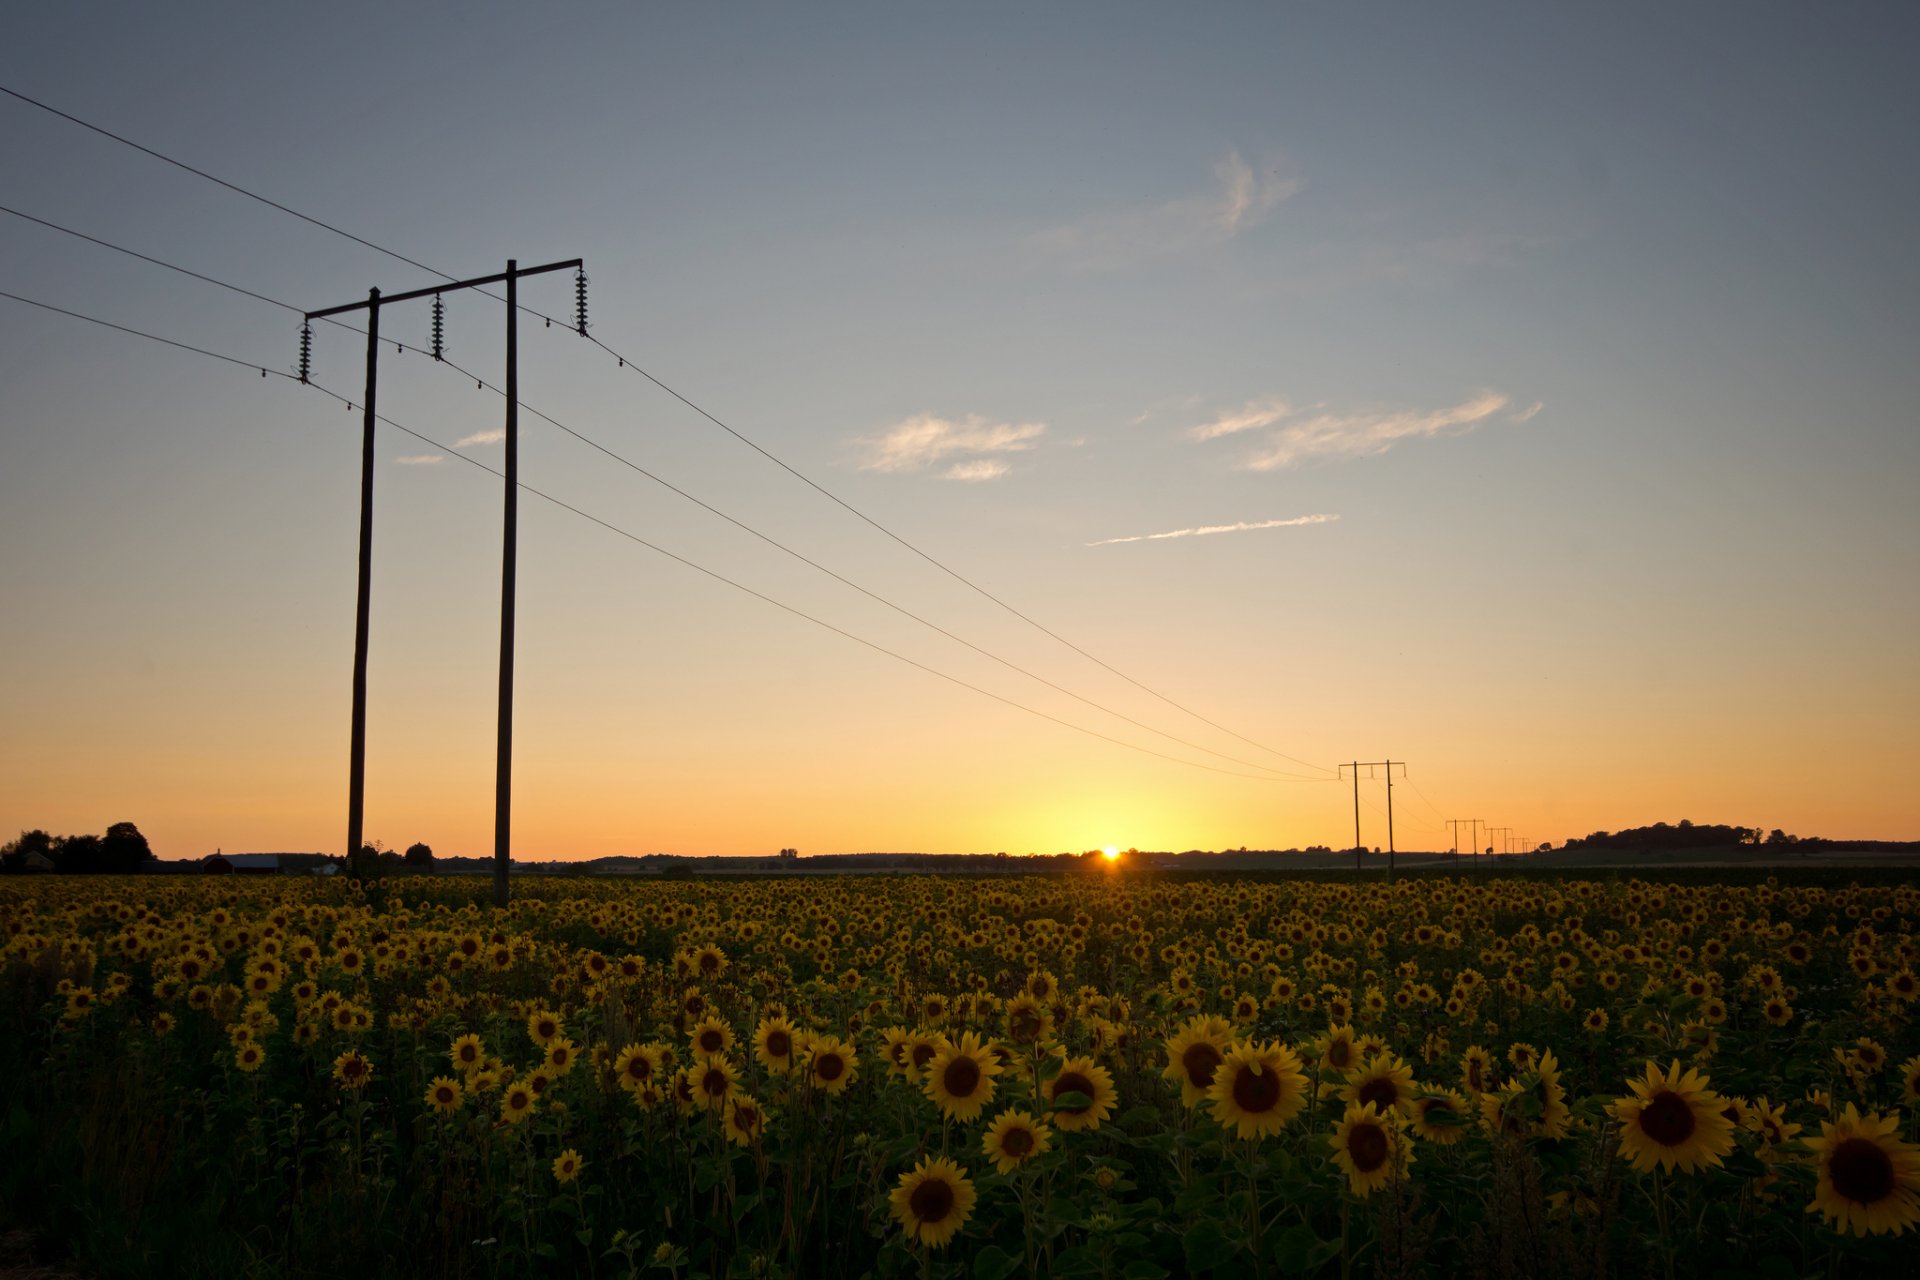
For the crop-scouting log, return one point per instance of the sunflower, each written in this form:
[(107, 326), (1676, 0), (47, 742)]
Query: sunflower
[(1869, 1178), (1371, 1147), (1337, 1049), (1673, 1120), (562, 1053), (1195, 1054), (567, 1166), (712, 1081), (831, 1064), (1028, 1020), (960, 1078), (637, 1066), (543, 1025), (444, 1095), (933, 1202), (743, 1121), (1476, 1069), (517, 1102), (249, 1057), (1258, 1088), (1091, 1081), (352, 1070), (922, 1047), (1383, 1080), (773, 1045), (711, 1036), (1910, 1079), (1014, 1138), (1439, 1116)]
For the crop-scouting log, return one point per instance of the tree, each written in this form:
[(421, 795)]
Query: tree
[(123, 848), (419, 856)]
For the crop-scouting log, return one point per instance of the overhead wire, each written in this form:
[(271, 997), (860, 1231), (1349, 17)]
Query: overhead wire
[(669, 485), (625, 362), (651, 546)]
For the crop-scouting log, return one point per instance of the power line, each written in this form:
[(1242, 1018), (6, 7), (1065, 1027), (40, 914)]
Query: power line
[(624, 362), (633, 537), (703, 505)]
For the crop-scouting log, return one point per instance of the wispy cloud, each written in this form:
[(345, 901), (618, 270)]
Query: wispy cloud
[(1296, 437), (978, 469), (493, 435), (1526, 414), (926, 440), (1242, 198), (421, 459), (1249, 417), (1206, 530)]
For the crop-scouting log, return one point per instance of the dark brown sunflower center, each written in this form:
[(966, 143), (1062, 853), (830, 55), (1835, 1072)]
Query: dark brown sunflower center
[(1256, 1091), (1200, 1061), (1668, 1120), (931, 1201), (639, 1068), (711, 1041), (779, 1044), (922, 1054), (1380, 1091), (828, 1066), (1862, 1171), (1017, 1143), (714, 1082), (1072, 1082), (1367, 1147), (961, 1077), (1339, 1053)]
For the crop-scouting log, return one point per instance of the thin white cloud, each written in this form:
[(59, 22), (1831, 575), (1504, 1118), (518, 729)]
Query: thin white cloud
[(1296, 437), (926, 440), (1526, 414), (1249, 417), (1206, 530), (493, 435), (421, 459), (1242, 198), (978, 469)]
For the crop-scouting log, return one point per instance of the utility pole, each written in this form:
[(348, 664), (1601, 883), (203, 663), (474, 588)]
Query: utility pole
[(1456, 824), (357, 750), (1504, 842), (1370, 766), (1477, 824)]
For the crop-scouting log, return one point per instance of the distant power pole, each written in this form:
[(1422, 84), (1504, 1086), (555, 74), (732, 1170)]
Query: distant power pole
[(1456, 824), (357, 750), (1505, 844), (1370, 766)]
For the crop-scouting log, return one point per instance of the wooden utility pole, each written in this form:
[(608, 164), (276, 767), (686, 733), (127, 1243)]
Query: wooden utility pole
[(357, 751), (1370, 766)]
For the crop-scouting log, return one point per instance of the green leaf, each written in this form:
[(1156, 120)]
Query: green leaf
[(1294, 1250), (585, 1236), (1207, 1246), (994, 1263), (1071, 1101), (1143, 1269)]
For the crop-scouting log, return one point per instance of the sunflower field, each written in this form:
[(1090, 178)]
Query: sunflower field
[(1122, 1076)]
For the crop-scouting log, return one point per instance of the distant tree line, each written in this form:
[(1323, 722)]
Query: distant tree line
[(121, 851), (1686, 834)]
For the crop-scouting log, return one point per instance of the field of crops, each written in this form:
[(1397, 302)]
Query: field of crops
[(1111, 1076)]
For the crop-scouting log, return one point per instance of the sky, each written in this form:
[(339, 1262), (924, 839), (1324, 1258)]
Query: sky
[(1524, 394)]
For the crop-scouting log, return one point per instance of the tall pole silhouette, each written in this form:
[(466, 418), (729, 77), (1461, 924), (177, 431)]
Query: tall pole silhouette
[(357, 748), (1370, 766), (357, 751), (509, 557)]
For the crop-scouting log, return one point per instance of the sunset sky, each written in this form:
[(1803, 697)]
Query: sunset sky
[(1525, 395)]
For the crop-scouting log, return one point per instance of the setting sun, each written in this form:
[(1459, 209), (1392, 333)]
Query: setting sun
[(1110, 853)]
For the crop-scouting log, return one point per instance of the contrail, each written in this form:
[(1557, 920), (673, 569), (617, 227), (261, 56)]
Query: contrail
[(1205, 529)]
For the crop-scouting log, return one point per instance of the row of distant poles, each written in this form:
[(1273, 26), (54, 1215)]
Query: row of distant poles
[(1475, 825), (503, 773)]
